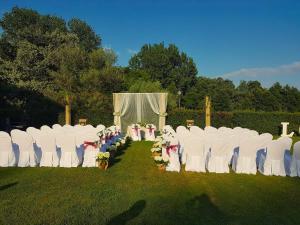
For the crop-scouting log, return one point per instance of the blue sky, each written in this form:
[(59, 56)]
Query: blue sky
[(249, 40)]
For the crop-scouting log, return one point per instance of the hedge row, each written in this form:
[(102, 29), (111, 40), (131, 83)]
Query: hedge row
[(260, 121)]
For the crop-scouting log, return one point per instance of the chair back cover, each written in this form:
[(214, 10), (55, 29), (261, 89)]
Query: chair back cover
[(23, 144), (7, 156), (46, 128)]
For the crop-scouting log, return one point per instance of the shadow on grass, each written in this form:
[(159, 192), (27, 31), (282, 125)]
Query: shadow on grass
[(204, 211), (129, 214), (6, 186), (121, 151)]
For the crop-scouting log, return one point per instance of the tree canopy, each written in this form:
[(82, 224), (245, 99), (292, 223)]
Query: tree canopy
[(44, 57)]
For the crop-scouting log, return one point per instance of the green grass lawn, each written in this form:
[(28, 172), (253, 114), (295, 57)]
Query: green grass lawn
[(134, 191)]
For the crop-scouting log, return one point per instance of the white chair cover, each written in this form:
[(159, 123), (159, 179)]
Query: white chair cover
[(174, 163), (35, 134), (274, 163), (150, 132), (7, 156), (50, 157), (100, 127), (295, 164), (23, 146), (195, 157), (245, 160), (182, 134), (210, 130), (69, 157), (90, 152), (56, 126), (46, 128), (218, 159), (135, 131), (196, 131)]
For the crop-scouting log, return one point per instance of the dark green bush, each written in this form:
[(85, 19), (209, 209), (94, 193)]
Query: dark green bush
[(259, 121)]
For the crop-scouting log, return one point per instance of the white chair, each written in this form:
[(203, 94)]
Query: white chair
[(90, 150), (182, 134), (274, 163), (23, 146), (50, 157), (172, 151), (69, 157), (100, 127), (231, 143), (218, 159), (195, 157), (46, 128), (295, 164), (135, 132), (35, 134), (264, 140), (150, 132), (196, 131), (210, 130), (7, 156), (245, 160), (181, 129), (56, 126), (168, 129)]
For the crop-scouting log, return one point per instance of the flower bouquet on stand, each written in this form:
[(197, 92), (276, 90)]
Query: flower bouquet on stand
[(161, 162), (156, 151), (103, 159)]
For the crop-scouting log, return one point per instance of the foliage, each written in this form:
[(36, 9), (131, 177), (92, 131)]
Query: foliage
[(165, 64), (44, 58), (88, 39), (260, 121)]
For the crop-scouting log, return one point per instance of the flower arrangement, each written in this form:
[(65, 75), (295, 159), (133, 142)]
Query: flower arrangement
[(103, 157), (161, 162), (157, 145), (156, 151)]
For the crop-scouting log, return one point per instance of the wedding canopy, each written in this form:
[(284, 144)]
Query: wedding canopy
[(140, 108)]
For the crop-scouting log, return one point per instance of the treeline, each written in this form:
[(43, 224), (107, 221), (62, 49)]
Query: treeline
[(44, 59)]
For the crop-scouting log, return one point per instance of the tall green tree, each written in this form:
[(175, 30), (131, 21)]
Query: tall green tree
[(88, 39), (167, 65)]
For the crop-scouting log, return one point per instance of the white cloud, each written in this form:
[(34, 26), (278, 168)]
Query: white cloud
[(288, 69), (131, 51)]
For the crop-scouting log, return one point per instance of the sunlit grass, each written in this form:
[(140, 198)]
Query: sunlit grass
[(134, 191)]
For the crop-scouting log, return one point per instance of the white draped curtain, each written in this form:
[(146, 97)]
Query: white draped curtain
[(140, 108)]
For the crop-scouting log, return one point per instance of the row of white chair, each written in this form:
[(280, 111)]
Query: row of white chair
[(66, 146), (135, 132), (245, 150)]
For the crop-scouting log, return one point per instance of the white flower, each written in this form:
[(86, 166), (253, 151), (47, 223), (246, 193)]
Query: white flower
[(158, 158)]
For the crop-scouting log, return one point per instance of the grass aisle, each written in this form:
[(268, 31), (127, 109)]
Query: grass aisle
[(133, 191)]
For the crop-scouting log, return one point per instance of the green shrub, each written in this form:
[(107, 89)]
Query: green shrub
[(259, 121)]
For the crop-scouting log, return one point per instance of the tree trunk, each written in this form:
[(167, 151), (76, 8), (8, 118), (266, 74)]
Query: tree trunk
[(68, 110), (207, 111)]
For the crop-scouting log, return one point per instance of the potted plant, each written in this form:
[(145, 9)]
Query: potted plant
[(161, 162), (102, 159)]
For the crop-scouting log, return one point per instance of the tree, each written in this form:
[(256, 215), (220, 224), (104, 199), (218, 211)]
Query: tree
[(166, 65), (88, 39), (71, 62)]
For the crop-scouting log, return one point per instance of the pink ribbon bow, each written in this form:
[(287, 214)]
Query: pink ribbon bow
[(171, 148), (151, 129), (136, 129), (88, 143)]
